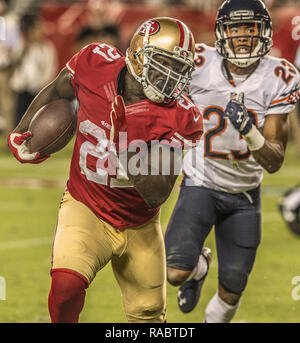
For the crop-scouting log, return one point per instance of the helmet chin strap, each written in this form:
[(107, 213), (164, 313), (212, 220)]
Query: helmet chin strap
[(243, 62), (152, 94)]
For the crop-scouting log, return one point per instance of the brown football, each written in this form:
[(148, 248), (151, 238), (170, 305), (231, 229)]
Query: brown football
[(52, 127)]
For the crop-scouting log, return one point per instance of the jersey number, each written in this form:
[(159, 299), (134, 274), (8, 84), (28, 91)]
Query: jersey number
[(94, 157), (287, 72), (216, 131), (107, 52), (199, 59)]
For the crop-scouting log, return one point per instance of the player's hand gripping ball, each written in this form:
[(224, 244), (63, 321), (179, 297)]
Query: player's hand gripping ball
[(17, 143), (237, 113), (49, 131)]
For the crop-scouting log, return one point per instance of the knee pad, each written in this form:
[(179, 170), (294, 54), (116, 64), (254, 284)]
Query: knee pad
[(233, 279)]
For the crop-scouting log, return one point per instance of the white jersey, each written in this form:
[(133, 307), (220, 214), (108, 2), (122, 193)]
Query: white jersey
[(228, 165)]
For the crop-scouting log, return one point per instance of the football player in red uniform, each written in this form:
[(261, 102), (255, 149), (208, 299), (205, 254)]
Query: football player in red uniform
[(109, 216)]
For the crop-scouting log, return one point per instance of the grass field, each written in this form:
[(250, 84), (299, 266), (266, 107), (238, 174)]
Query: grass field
[(29, 199)]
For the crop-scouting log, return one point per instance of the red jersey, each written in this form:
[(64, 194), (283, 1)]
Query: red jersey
[(95, 71)]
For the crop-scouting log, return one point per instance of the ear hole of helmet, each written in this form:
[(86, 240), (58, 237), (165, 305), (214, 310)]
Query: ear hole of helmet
[(134, 58)]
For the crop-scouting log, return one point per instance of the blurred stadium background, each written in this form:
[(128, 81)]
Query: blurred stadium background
[(39, 38)]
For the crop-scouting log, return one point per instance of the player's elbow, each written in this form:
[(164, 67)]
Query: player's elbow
[(154, 189), (157, 201), (159, 194), (158, 197)]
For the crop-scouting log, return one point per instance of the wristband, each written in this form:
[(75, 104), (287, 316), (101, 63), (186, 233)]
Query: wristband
[(254, 139)]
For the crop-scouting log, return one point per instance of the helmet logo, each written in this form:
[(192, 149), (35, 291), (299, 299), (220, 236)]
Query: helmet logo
[(154, 28), (184, 53)]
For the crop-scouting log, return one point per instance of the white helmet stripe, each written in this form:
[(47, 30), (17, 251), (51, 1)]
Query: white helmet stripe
[(185, 36)]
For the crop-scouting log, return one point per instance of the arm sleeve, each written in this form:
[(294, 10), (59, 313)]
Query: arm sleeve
[(175, 125), (189, 125), (95, 64), (72, 64)]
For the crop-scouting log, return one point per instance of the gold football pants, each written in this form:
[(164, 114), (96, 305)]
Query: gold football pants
[(85, 244)]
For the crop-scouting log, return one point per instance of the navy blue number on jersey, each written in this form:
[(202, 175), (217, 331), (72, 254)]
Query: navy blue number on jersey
[(218, 130), (287, 72)]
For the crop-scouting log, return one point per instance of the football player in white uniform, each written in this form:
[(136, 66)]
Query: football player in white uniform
[(245, 97)]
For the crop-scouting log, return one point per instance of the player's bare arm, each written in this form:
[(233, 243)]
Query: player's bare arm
[(267, 147), (275, 132), (59, 88), (155, 187)]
